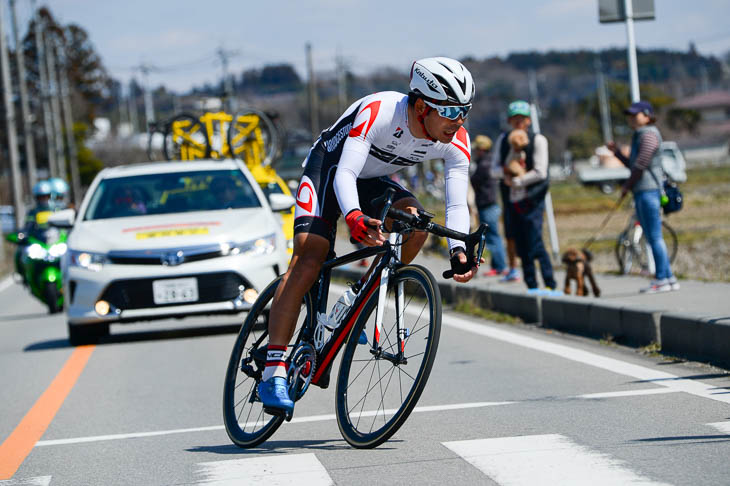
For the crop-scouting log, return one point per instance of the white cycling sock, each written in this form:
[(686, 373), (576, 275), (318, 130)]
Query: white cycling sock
[(275, 364)]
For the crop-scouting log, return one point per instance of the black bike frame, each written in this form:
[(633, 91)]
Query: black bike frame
[(329, 352)]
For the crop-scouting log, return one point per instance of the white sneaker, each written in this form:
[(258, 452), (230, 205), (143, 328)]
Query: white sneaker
[(656, 286), (674, 282)]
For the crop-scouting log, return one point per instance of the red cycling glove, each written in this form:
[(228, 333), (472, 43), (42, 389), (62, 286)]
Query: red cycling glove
[(358, 223)]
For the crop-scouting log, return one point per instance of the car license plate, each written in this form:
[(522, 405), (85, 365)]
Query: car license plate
[(175, 290)]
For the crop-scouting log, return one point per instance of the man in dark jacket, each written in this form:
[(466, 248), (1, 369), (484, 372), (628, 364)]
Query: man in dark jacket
[(486, 189)]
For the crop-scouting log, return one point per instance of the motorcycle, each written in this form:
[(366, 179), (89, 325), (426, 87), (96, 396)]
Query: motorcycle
[(38, 262)]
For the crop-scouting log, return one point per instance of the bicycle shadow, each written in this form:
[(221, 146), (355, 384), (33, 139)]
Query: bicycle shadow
[(282, 447)]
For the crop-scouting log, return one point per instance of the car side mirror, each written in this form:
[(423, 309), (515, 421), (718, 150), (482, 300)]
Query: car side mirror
[(62, 219), (281, 202)]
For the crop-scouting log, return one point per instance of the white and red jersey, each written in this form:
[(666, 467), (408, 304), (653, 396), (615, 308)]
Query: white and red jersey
[(372, 139)]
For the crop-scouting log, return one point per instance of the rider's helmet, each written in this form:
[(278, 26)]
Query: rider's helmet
[(442, 80), (42, 192), (59, 192)]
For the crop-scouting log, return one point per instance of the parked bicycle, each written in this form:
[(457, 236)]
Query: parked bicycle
[(632, 250), (379, 383)]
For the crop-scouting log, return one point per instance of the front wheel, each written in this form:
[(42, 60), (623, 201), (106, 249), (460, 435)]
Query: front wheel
[(379, 385), (53, 297), (246, 422)]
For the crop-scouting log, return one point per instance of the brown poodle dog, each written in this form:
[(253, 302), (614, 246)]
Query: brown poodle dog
[(578, 267), (515, 166)]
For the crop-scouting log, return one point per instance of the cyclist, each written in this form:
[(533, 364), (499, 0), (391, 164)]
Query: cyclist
[(348, 166)]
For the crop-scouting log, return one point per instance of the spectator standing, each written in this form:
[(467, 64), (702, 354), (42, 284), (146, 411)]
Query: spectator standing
[(485, 194), (646, 174), (525, 196)]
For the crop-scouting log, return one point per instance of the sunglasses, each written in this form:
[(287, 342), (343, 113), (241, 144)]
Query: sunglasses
[(452, 112)]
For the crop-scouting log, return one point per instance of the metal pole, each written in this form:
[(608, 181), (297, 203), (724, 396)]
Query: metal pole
[(24, 109), (633, 69), (73, 159), (603, 103), (313, 103), (149, 107), (10, 123), (133, 108), (341, 84), (55, 106), (45, 101)]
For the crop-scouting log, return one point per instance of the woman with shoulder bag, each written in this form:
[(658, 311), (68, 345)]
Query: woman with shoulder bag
[(644, 182)]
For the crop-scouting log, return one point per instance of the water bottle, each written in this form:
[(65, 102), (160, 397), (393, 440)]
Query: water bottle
[(340, 309)]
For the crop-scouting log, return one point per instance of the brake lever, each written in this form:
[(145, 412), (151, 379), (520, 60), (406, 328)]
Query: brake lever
[(475, 241)]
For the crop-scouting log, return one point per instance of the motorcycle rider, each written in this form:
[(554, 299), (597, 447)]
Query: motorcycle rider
[(35, 220), (59, 193)]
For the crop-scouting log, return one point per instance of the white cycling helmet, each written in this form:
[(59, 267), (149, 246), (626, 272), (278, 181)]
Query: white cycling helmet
[(442, 79)]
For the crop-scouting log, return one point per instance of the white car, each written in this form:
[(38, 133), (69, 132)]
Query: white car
[(169, 239)]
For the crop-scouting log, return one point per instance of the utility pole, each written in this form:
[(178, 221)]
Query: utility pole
[(549, 211), (603, 102), (10, 122), (231, 104), (132, 99), (24, 110), (341, 83), (149, 107), (55, 105), (633, 69), (45, 101), (73, 158), (313, 102)]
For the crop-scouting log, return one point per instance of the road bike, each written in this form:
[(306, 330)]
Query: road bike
[(633, 251), (379, 383)]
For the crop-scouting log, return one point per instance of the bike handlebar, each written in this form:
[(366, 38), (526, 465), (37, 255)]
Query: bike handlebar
[(403, 221)]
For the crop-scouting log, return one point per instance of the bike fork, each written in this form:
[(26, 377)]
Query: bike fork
[(395, 240)]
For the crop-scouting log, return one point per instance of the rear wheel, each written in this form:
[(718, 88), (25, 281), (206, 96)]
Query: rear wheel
[(185, 139), (378, 386), (631, 248), (246, 422), (253, 137)]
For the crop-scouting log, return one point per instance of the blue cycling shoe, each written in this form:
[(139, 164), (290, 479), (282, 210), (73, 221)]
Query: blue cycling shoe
[(363, 339), (274, 393)]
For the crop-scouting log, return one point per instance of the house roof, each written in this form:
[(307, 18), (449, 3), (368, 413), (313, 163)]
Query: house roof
[(710, 99)]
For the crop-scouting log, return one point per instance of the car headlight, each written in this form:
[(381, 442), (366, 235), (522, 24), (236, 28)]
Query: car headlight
[(36, 252), (88, 260), (260, 246)]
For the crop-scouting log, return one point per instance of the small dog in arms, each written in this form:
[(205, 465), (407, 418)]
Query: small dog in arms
[(578, 268)]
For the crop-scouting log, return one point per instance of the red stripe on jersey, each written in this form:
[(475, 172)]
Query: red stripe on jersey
[(462, 136), (358, 130)]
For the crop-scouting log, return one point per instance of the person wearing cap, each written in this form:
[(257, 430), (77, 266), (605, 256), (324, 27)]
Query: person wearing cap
[(523, 197), (485, 192), (644, 182)]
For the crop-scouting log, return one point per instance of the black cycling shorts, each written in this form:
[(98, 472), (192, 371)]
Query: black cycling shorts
[(317, 209)]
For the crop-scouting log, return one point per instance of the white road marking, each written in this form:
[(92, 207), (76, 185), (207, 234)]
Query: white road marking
[(643, 373), (723, 427), (326, 417), (36, 481), (4, 284), (288, 469), (544, 459)]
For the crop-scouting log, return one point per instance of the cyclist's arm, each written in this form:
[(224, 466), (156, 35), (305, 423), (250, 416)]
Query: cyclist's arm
[(456, 175), (352, 160)]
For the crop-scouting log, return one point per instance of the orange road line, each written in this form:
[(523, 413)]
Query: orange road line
[(22, 440)]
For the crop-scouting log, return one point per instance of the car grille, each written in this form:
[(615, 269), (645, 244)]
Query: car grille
[(137, 293), (166, 256)]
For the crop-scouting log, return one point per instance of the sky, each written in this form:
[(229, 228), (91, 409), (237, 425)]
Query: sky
[(179, 38)]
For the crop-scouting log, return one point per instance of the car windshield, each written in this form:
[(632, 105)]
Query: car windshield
[(166, 193)]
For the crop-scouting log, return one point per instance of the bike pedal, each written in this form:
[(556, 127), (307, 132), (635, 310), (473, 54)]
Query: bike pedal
[(277, 412)]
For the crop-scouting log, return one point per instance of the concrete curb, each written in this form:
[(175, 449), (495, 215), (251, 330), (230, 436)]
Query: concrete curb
[(684, 335)]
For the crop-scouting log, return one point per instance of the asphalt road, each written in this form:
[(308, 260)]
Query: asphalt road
[(504, 405)]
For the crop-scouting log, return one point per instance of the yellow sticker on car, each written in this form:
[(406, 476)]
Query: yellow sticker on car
[(172, 232)]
